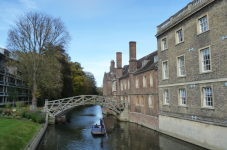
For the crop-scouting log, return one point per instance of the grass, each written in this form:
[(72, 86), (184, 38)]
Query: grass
[(16, 134)]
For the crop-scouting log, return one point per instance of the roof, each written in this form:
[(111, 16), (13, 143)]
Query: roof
[(149, 66)]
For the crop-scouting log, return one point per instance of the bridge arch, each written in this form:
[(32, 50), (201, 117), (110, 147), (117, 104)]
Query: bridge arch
[(56, 107)]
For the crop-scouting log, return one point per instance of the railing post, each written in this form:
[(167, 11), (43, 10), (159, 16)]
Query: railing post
[(46, 104)]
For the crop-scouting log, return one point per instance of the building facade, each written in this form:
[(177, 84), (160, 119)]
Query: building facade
[(136, 84), (192, 51), (10, 77)]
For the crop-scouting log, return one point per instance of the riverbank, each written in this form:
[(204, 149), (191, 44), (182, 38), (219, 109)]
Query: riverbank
[(16, 134)]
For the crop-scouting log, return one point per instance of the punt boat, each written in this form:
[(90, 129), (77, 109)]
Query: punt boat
[(98, 130)]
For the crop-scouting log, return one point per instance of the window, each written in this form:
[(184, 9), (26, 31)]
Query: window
[(114, 86), (181, 70), (164, 44), (128, 84), (179, 36), (203, 24), (144, 81), (129, 99), (165, 70), (125, 85), (144, 62), (155, 58), (182, 93), (122, 98), (142, 100), (125, 99), (1, 88), (121, 86), (150, 100), (207, 97), (151, 80), (166, 97), (137, 100), (137, 82), (205, 54)]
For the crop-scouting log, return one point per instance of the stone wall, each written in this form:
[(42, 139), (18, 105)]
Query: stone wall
[(144, 120), (202, 134)]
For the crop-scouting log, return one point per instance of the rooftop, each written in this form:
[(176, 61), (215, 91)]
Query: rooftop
[(185, 12)]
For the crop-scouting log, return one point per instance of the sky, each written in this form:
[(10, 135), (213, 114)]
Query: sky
[(99, 28)]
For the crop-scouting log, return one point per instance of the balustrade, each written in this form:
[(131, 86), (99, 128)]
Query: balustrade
[(188, 8)]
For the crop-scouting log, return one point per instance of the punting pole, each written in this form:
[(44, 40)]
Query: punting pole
[(105, 128)]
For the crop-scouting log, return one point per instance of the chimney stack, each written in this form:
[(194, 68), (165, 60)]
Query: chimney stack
[(119, 64), (132, 57), (112, 64), (132, 50)]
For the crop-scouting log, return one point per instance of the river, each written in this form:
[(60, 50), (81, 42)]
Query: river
[(76, 134)]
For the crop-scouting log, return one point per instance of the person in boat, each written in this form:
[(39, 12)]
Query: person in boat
[(96, 126), (101, 123)]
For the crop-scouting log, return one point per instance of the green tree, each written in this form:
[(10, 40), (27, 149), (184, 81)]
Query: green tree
[(30, 41), (78, 78), (13, 94)]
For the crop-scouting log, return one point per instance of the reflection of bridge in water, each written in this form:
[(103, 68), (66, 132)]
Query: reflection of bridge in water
[(58, 107)]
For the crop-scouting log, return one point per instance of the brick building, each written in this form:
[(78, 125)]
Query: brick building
[(135, 83), (10, 77), (192, 51)]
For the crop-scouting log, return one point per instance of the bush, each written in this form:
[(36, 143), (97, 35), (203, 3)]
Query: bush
[(8, 105), (27, 115), (7, 112), (40, 118), (19, 104), (33, 116), (22, 113)]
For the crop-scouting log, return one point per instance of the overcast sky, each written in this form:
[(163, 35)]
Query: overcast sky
[(99, 28)]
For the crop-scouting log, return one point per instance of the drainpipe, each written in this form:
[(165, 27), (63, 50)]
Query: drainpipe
[(157, 92)]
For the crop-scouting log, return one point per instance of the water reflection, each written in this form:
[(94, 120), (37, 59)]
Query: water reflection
[(76, 134)]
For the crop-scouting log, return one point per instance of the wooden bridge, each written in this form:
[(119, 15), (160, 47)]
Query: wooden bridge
[(58, 107)]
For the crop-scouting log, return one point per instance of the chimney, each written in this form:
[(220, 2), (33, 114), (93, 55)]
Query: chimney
[(132, 57), (112, 64), (119, 64), (132, 50)]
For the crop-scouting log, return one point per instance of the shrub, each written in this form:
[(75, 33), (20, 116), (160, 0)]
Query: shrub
[(33, 116), (7, 112), (40, 118), (8, 105), (27, 115), (22, 113), (19, 104)]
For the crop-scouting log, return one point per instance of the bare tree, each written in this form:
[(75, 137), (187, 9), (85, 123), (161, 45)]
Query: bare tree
[(29, 42)]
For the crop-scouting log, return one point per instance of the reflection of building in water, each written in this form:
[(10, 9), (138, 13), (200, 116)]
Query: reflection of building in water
[(136, 84), (135, 137)]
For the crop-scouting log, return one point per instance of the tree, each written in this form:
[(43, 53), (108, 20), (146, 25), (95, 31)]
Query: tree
[(78, 78), (30, 42), (90, 84), (13, 93)]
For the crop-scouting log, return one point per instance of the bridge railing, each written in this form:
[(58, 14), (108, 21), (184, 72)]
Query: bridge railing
[(55, 107)]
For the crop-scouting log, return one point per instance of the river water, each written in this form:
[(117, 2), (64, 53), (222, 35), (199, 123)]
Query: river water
[(76, 134)]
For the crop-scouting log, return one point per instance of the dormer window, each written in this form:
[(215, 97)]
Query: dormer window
[(155, 58), (144, 62)]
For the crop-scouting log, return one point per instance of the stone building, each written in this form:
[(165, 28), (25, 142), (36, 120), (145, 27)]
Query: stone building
[(10, 77), (136, 84), (192, 51)]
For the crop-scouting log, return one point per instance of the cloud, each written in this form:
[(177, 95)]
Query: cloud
[(29, 4), (9, 10), (2, 46)]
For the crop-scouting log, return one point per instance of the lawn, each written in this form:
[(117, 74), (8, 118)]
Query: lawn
[(16, 134)]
